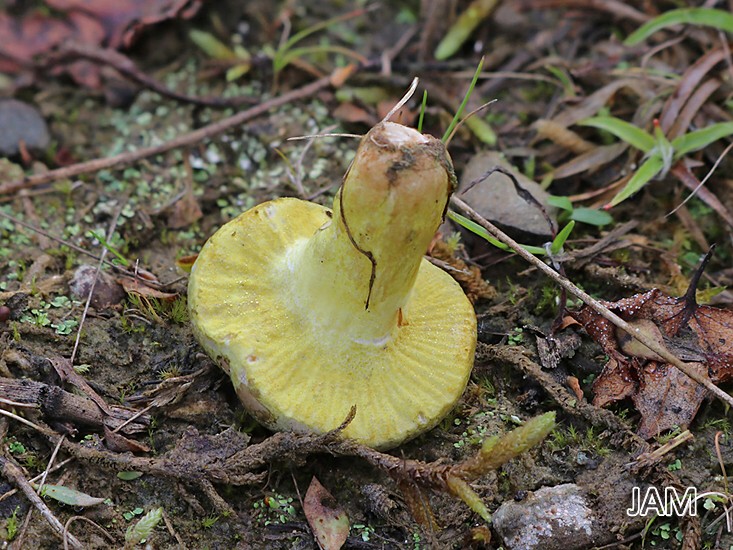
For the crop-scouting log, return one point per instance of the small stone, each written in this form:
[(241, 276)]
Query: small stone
[(551, 518), (21, 122), (107, 291), (496, 199)]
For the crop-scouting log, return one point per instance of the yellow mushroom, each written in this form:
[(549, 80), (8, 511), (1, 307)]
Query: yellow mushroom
[(313, 311)]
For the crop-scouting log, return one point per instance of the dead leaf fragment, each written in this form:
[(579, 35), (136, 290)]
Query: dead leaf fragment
[(136, 286), (470, 278), (110, 23), (121, 444), (328, 521), (184, 212), (702, 336)]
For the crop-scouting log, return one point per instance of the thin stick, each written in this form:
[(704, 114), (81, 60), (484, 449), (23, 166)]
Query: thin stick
[(16, 404), (172, 531), (401, 102), (184, 140), (50, 463), (72, 519), (110, 233), (721, 462), (313, 136), (34, 479), (125, 66), (702, 181), (79, 249), (23, 421), (15, 475), (597, 306)]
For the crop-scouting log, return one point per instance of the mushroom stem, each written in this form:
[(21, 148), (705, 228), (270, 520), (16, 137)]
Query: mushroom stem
[(356, 273)]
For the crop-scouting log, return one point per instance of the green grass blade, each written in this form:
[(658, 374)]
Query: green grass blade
[(481, 130), (460, 110), (466, 23), (297, 37), (699, 139), (591, 216), (109, 247), (651, 167), (473, 227), (707, 17), (560, 238), (560, 202), (282, 61), (422, 110), (623, 130), (211, 45)]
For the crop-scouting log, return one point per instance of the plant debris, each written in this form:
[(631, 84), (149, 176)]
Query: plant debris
[(329, 522), (665, 397), (112, 23)]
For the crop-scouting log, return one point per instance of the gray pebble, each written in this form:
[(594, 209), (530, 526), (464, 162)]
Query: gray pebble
[(20, 121), (551, 518), (496, 199), (107, 291)]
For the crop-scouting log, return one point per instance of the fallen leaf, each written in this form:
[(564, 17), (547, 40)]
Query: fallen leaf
[(26, 37), (69, 496), (136, 286), (470, 278), (110, 23), (129, 476), (328, 521), (123, 20), (702, 336), (184, 212), (186, 262), (349, 112), (121, 444)]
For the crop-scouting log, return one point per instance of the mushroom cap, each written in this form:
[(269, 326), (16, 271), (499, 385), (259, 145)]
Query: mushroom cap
[(290, 372)]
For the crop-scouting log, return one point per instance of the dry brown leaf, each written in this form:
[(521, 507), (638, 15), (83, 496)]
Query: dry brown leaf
[(561, 135), (591, 160), (688, 82), (184, 212), (29, 36), (327, 519), (138, 287), (702, 336), (109, 23), (123, 20), (349, 112), (121, 444), (470, 278)]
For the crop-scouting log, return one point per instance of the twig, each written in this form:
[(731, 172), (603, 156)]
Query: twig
[(184, 140), (17, 404), (597, 306), (219, 503), (72, 519), (80, 250), (657, 454), (172, 531), (702, 181), (110, 233), (721, 462), (23, 421), (34, 479), (15, 475), (612, 7), (50, 463), (125, 66)]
